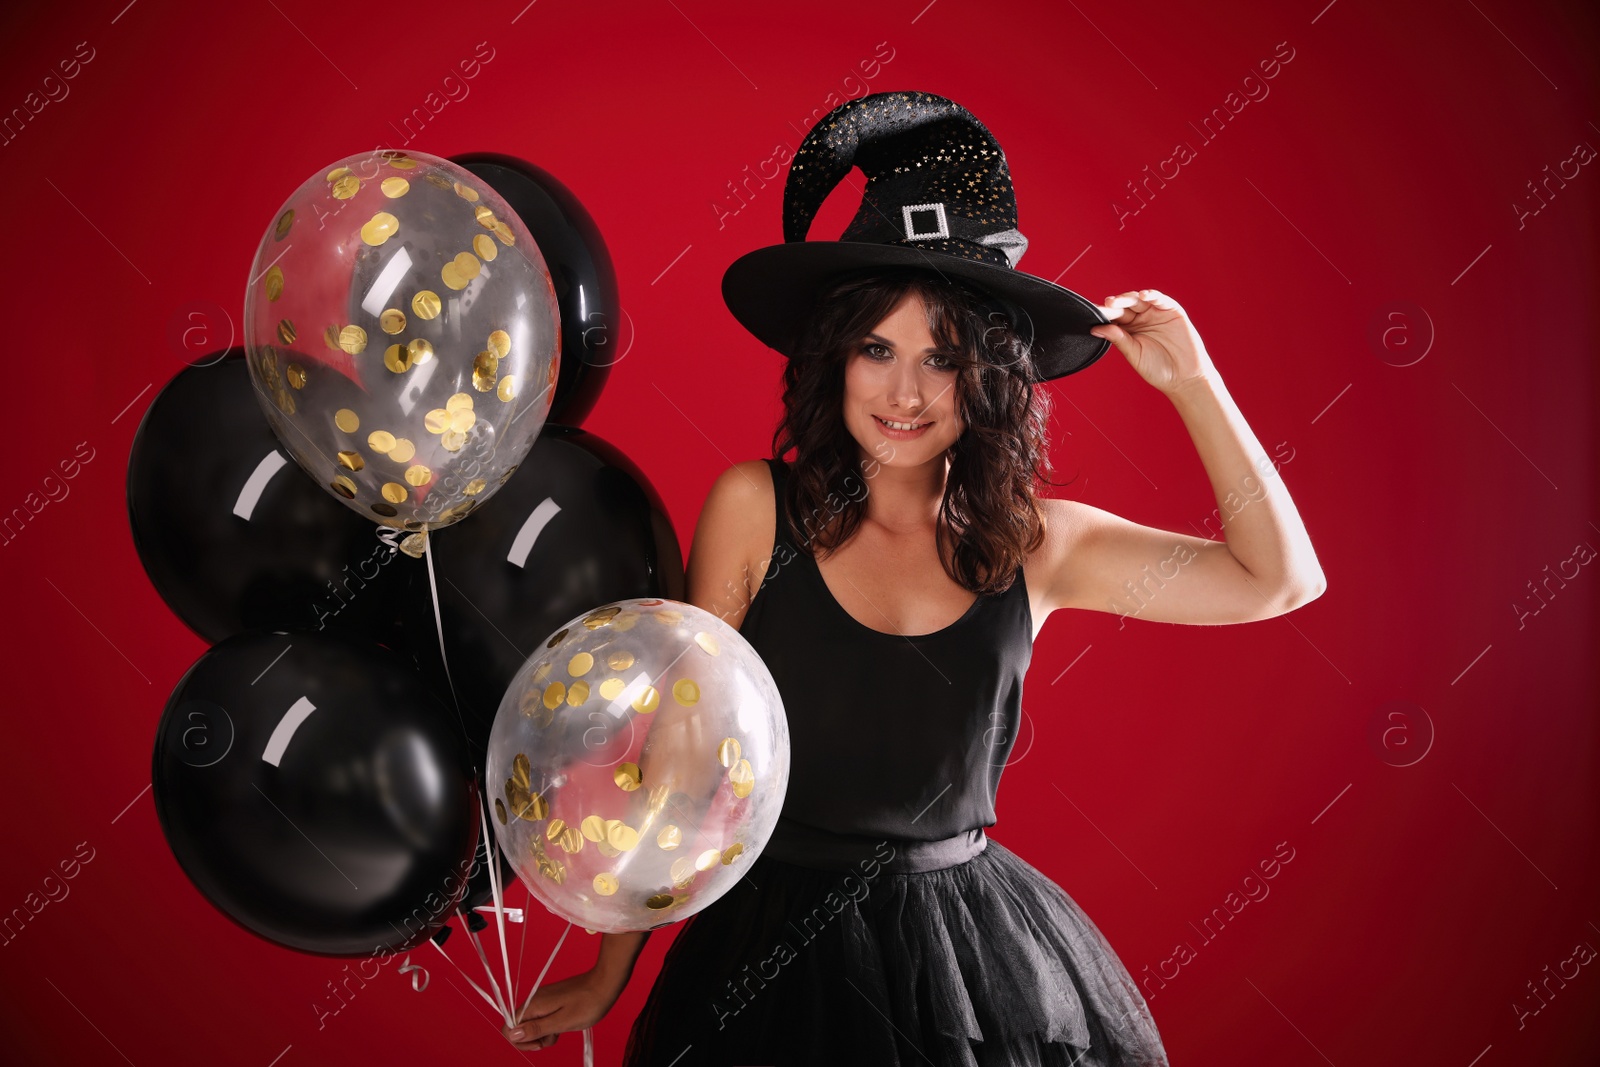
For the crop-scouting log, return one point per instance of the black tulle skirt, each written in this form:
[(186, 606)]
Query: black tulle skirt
[(985, 962)]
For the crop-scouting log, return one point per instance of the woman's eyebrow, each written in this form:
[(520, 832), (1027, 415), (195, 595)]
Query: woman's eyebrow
[(885, 342)]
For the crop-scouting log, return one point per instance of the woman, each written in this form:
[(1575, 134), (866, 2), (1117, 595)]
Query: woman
[(893, 577)]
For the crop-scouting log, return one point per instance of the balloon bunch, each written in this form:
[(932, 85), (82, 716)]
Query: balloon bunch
[(422, 337)]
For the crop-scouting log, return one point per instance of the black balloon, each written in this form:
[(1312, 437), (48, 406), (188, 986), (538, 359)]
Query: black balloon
[(234, 535), (575, 527), (317, 793), (580, 267)]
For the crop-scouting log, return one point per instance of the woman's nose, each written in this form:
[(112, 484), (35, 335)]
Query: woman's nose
[(905, 387)]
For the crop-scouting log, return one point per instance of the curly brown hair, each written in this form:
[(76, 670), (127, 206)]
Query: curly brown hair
[(990, 507)]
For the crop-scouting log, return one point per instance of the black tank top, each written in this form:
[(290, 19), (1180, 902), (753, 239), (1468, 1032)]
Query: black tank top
[(891, 735)]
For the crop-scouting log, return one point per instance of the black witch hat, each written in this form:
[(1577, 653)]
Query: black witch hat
[(938, 196)]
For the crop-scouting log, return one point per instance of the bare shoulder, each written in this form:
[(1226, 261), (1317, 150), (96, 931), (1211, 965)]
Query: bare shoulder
[(1063, 525), (733, 541)]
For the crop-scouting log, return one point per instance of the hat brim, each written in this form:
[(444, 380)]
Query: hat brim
[(772, 290)]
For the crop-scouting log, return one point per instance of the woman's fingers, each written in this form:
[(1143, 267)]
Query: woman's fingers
[(1124, 304), (536, 1029), (532, 1037), (1125, 307)]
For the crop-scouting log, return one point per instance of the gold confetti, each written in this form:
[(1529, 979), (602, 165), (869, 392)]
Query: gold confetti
[(426, 305), (379, 228), (538, 807), (743, 778), (484, 369), (626, 776)]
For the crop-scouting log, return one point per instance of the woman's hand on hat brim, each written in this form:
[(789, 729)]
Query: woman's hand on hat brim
[(1152, 330)]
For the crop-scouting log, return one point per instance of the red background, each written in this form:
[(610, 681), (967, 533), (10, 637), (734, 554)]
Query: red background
[(1155, 773)]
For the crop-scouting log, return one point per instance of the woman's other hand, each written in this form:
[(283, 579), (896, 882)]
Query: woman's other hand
[(574, 1003), (1152, 330)]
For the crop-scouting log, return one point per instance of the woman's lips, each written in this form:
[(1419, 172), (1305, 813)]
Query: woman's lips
[(900, 435)]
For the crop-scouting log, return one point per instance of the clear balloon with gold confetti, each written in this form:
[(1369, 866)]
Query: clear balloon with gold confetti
[(638, 764), (403, 336)]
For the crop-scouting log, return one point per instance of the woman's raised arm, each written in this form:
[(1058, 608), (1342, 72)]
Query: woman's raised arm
[(1265, 567)]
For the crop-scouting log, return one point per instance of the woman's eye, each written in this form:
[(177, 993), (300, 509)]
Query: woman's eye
[(873, 350)]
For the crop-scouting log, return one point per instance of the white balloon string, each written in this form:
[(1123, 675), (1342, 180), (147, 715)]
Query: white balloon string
[(588, 1047), (491, 853), (433, 590), (537, 981), (505, 1011), (522, 947), (487, 998)]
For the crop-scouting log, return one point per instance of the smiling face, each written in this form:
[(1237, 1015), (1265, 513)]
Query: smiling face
[(895, 374)]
